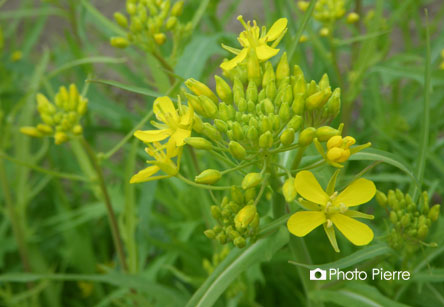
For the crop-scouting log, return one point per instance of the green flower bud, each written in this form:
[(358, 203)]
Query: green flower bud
[(422, 231), (211, 132), (251, 180), (236, 195), (119, 42), (221, 238), (324, 133), (215, 212), (405, 220), (270, 90), (238, 132), (245, 216), (275, 121), (283, 69), (295, 123), (223, 90), (121, 19), (197, 124), (171, 22), (399, 195), (393, 217), (252, 134), (60, 137), (210, 234), (434, 213), (195, 102), (333, 104), (266, 140), (425, 202), (200, 89), (239, 242), (250, 196), (306, 136), (268, 106), (391, 197), (289, 190), (269, 75), (131, 8), (77, 130), (177, 8), (199, 143), (253, 67), (284, 112), (316, 100), (221, 125), (238, 89), (31, 131), (251, 93), (45, 129), (209, 176), (237, 150), (324, 83), (300, 86), (242, 104), (287, 136), (251, 107), (381, 199), (208, 106)]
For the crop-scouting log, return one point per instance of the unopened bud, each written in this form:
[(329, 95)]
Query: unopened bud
[(119, 42), (324, 133), (287, 136), (352, 17), (121, 19), (434, 213), (266, 140), (199, 143), (289, 190), (208, 106), (77, 130), (223, 90), (251, 180), (253, 68), (177, 8), (283, 69), (245, 216), (200, 89), (31, 131), (251, 94), (211, 132), (306, 136), (239, 242), (237, 150), (209, 176), (60, 137), (381, 198)]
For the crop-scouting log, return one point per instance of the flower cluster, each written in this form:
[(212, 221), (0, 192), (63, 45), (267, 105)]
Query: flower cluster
[(61, 120), (149, 23), (410, 222)]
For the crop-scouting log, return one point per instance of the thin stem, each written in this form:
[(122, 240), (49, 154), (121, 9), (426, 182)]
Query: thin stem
[(202, 186), (298, 157), (111, 215), (15, 223), (240, 166), (127, 137), (166, 66)]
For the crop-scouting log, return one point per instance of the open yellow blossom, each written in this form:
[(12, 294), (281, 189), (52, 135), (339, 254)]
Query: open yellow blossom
[(254, 38), (163, 155), (175, 124), (330, 208)]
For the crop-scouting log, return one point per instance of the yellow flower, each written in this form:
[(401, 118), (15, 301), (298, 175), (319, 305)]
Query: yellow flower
[(330, 208), (253, 38), (162, 162), (176, 125)]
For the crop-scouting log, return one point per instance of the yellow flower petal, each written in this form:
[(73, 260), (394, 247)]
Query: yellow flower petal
[(144, 174), (149, 136), (229, 65), (356, 232), (358, 192), (180, 135), (264, 52), (164, 106), (309, 188), (303, 222), (276, 29)]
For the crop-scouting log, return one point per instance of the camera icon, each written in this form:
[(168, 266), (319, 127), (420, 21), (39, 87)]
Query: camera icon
[(318, 274)]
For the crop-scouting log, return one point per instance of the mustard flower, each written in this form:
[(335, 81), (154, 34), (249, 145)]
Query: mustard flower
[(330, 208), (175, 124), (257, 40), (162, 155)]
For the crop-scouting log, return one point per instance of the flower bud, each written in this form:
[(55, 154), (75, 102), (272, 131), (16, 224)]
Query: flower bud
[(289, 190), (171, 22), (199, 143), (303, 5), (77, 130), (253, 68), (269, 75), (381, 198), (316, 100), (197, 124), (211, 132), (208, 106), (223, 90), (425, 202), (210, 234), (131, 8), (209, 176), (284, 112), (60, 137), (434, 213), (393, 217), (177, 8), (239, 242), (119, 42), (252, 134), (82, 106), (238, 132), (324, 32), (283, 69), (221, 238), (245, 216), (44, 129), (352, 18), (266, 140), (287, 136), (405, 220), (306, 136), (270, 90), (251, 93), (237, 150), (422, 231), (121, 19), (251, 180), (160, 38), (200, 89), (31, 131), (324, 133)]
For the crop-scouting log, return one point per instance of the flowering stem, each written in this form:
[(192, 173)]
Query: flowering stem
[(111, 215), (202, 186), (298, 157)]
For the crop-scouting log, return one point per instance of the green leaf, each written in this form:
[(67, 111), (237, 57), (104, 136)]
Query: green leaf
[(431, 275), (355, 294), (129, 88), (361, 255), (34, 12), (384, 156), (237, 262)]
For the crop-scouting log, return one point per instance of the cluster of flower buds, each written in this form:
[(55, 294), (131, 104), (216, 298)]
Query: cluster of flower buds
[(237, 218), (149, 22), (327, 12), (264, 109), (410, 223), (61, 120)]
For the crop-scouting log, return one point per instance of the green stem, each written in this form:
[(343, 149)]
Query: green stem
[(111, 215), (202, 186), (15, 223), (298, 157)]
